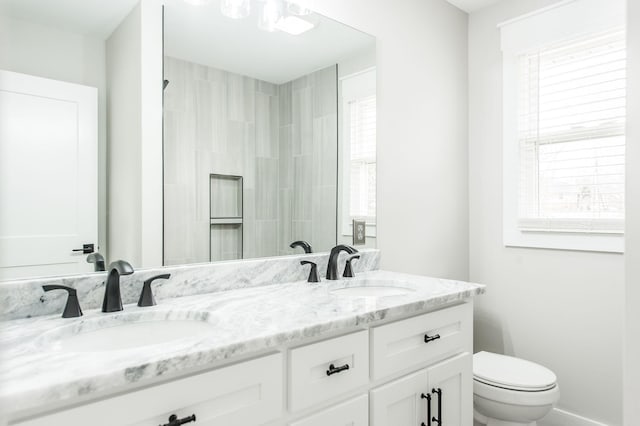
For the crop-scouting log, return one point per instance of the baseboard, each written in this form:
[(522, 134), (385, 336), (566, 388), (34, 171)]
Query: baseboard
[(558, 417)]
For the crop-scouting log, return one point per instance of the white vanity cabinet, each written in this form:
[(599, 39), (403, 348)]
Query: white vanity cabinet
[(354, 412), (377, 376), (244, 394), (442, 393)]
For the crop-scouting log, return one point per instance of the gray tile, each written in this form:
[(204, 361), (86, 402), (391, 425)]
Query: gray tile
[(302, 190), (266, 189), (285, 99), (325, 151), (302, 121)]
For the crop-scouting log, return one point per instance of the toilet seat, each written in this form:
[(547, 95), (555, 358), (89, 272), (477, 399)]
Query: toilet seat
[(514, 397), (511, 373)]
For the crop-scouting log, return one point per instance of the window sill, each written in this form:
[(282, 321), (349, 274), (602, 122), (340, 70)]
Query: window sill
[(578, 241)]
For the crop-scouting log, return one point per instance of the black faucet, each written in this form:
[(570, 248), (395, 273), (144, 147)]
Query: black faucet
[(332, 267), (98, 260), (112, 300), (305, 245)]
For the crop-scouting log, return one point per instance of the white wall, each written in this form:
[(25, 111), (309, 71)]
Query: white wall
[(124, 134), (563, 309), (49, 52), (632, 335), (422, 130), (134, 82)]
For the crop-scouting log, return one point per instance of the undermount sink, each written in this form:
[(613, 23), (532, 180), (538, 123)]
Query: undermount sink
[(372, 288), (115, 332)]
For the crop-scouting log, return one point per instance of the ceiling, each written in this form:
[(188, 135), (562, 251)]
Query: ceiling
[(201, 34), (96, 18), (470, 6)]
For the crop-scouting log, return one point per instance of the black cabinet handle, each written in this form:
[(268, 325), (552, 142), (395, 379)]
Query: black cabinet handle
[(439, 419), (428, 398), (428, 338), (175, 421), (333, 369)]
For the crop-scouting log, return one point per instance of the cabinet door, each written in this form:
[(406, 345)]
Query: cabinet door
[(451, 387), (399, 403), (354, 412)]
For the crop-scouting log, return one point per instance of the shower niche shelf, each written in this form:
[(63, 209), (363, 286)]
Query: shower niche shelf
[(226, 217)]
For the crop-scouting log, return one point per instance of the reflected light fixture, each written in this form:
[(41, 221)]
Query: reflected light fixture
[(235, 9), (197, 2), (296, 7), (294, 25), (270, 14)]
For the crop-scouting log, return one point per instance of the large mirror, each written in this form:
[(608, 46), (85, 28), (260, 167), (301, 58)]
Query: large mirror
[(267, 134), (251, 129)]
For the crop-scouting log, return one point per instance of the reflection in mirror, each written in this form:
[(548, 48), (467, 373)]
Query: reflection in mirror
[(257, 114), (53, 133), (267, 139)]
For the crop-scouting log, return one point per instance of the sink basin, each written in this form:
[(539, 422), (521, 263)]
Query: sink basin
[(126, 332), (372, 288)]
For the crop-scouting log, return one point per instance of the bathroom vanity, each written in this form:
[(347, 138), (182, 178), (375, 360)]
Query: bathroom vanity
[(382, 349)]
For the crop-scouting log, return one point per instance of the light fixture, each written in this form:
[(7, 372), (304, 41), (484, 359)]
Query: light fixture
[(296, 7), (270, 14), (294, 25), (235, 9)]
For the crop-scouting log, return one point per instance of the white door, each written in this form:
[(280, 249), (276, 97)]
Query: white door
[(401, 402), (451, 388), (354, 412), (48, 175)]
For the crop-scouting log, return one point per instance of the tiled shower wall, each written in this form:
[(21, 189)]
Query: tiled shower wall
[(281, 139), (308, 160)]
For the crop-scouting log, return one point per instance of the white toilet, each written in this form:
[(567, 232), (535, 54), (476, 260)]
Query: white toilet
[(509, 391)]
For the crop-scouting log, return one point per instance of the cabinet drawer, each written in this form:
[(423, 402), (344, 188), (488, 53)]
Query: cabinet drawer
[(401, 345), (249, 393), (311, 378), (354, 412)]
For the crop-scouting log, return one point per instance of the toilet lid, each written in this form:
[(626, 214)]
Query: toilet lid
[(511, 373)]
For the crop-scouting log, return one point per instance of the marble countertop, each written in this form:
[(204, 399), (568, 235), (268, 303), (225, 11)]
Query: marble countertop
[(35, 372)]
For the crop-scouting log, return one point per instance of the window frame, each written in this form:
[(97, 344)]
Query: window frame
[(518, 36)]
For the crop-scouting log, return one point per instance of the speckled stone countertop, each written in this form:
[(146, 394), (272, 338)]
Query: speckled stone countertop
[(36, 372)]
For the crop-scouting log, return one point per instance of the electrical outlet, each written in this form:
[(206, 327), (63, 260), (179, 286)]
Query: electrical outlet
[(359, 232)]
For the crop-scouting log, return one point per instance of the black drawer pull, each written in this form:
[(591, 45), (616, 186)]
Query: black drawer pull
[(428, 338), (439, 419), (333, 369), (428, 398), (175, 421)]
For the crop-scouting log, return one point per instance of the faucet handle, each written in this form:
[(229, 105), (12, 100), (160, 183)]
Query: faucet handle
[(72, 308), (348, 270), (313, 273), (146, 296)]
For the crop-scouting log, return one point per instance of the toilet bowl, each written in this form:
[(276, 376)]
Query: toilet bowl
[(509, 391)]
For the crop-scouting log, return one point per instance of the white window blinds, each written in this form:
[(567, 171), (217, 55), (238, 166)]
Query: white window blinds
[(362, 144), (571, 124)]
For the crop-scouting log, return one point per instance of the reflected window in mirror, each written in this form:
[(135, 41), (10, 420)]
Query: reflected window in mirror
[(358, 171)]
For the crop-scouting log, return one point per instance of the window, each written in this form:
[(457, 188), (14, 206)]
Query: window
[(571, 124), (362, 144), (564, 109), (358, 165)]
